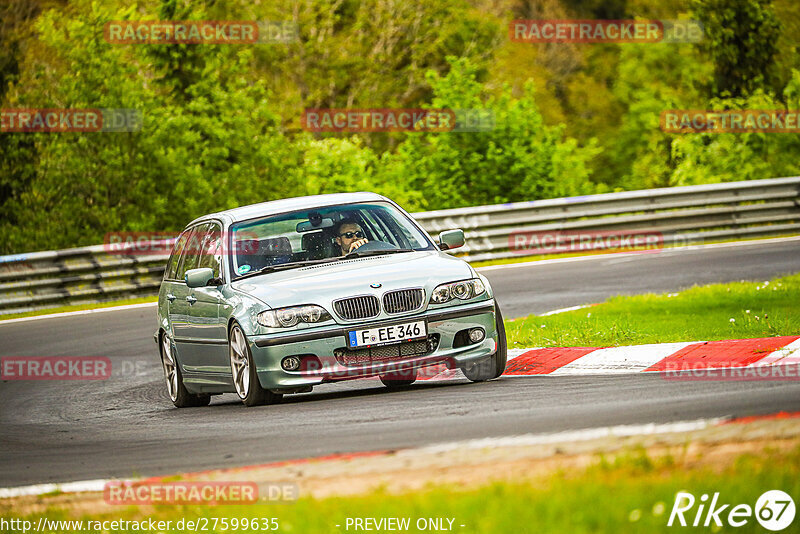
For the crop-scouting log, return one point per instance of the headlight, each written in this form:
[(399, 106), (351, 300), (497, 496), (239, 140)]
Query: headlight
[(288, 317), (463, 290)]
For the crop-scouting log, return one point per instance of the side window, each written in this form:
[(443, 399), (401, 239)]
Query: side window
[(378, 229), (172, 264), (191, 250), (400, 234), (211, 251)]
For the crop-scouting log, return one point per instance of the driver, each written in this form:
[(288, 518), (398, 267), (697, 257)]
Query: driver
[(349, 235)]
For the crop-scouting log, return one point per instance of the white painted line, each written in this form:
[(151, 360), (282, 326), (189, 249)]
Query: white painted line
[(514, 353), (639, 253), (559, 260), (41, 489), (631, 359), (790, 354), (563, 310), (564, 437), (508, 441), (80, 312)]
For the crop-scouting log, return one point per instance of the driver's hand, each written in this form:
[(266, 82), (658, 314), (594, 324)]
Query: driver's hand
[(355, 244)]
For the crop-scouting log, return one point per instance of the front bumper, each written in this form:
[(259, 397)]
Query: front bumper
[(269, 351)]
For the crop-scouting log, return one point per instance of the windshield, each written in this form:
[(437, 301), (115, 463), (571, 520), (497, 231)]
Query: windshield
[(322, 234)]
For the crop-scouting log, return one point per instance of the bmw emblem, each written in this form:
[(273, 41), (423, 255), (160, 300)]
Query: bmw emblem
[(375, 286)]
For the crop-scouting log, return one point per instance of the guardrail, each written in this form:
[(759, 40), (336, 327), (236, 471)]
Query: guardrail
[(681, 215)]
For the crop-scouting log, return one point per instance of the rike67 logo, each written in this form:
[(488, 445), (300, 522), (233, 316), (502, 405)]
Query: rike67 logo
[(774, 510)]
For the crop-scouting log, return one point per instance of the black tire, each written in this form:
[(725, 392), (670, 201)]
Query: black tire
[(243, 369), (493, 366), (501, 356), (399, 378), (176, 391)]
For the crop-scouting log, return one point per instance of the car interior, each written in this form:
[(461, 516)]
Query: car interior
[(314, 238)]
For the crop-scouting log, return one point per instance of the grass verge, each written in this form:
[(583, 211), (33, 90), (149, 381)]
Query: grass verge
[(629, 491), (720, 311), (78, 307), (539, 257)]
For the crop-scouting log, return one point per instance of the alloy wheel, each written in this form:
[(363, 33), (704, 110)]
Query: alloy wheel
[(170, 372), (240, 362)]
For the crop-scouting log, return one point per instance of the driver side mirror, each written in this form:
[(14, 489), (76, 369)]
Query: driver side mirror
[(450, 239), (199, 277)]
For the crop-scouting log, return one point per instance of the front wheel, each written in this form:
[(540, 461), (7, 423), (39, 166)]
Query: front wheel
[(245, 378), (177, 392), (493, 366)]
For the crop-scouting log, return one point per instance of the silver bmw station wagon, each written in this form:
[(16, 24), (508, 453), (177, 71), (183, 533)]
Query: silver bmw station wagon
[(278, 297)]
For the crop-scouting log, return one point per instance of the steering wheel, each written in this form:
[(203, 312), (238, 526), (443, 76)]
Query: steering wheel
[(375, 245)]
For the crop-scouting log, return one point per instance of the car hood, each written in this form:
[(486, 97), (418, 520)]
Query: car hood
[(322, 284)]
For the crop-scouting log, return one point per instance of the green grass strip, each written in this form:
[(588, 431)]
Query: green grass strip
[(78, 307), (703, 313), (631, 493)]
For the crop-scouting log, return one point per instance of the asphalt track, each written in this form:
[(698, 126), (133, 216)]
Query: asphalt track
[(126, 426)]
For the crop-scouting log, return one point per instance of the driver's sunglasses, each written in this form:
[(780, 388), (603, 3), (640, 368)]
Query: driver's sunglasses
[(350, 235)]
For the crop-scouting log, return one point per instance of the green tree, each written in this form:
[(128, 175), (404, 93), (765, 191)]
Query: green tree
[(520, 159), (365, 53), (741, 39), (342, 165), (222, 122), (640, 152), (726, 157), (214, 144)]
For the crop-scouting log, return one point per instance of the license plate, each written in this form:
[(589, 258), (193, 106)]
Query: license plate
[(387, 334)]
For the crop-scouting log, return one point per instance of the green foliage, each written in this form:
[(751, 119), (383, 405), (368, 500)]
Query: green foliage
[(334, 165), (365, 53), (710, 158), (221, 123), (521, 158), (641, 151), (742, 39), (217, 146)]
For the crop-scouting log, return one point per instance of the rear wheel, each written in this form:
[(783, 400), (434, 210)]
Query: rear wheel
[(245, 378), (177, 392), (399, 378), (493, 366)]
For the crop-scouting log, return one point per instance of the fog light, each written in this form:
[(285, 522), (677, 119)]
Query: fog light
[(291, 363), (476, 335)]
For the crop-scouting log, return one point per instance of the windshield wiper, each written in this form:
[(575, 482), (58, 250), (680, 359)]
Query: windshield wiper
[(305, 263), (361, 253), (285, 267)]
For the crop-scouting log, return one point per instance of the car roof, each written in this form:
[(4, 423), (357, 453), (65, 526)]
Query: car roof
[(283, 205)]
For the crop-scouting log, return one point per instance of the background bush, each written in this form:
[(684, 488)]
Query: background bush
[(222, 122)]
